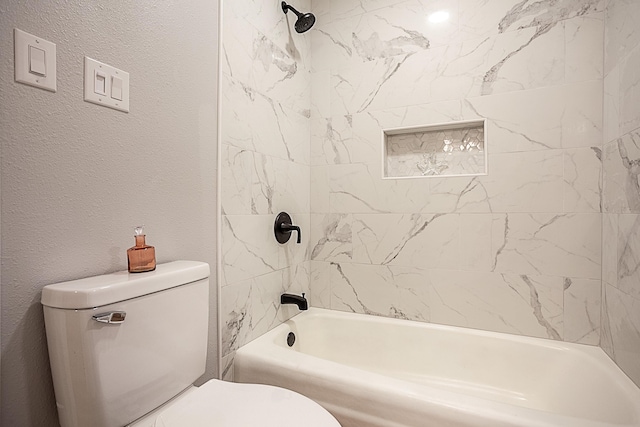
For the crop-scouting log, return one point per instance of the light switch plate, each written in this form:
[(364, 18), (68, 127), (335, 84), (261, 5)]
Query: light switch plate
[(22, 42), (94, 93)]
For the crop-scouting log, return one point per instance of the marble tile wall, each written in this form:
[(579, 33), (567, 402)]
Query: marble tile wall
[(621, 189), (521, 250), (265, 127), (518, 250)]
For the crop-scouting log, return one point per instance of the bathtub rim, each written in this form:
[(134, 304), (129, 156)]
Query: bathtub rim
[(266, 348)]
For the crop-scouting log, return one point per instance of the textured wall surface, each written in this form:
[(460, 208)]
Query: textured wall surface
[(265, 131), (77, 177), (621, 191), (518, 250)]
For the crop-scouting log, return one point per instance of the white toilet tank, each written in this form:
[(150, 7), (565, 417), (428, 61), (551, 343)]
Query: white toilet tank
[(109, 374)]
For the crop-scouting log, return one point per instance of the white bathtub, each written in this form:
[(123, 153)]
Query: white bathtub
[(379, 372)]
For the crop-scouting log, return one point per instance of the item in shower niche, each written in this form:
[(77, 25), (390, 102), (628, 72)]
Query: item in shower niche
[(431, 165), (141, 257)]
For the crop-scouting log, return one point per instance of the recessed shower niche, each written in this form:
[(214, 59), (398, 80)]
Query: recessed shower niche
[(446, 149)]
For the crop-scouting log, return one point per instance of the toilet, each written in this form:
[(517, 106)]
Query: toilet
[(126, 348)]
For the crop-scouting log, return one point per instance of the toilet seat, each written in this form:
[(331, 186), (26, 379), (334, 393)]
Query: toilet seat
[(225, 404)]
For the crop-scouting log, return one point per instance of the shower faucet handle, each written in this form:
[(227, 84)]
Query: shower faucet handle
[(283, 227)]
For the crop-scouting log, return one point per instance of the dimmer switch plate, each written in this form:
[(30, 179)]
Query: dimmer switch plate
[(106, 85), (34, 60)]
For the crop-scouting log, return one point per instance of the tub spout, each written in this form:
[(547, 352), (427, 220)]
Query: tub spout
[(298, 300)]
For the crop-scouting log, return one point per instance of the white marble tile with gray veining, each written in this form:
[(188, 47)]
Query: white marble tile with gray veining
[(279, 185), (582, 122), (376, 84), (516, 182), (236, 315), (257, 61), (252, 307), (320, 94), (269, 19), (622, 34), (546, 50), (566, 245), (332, 140), (582, 180), (319, 190), (529, 58), (380, 290), (583, 37), (248, 247), (331, 237), (417, 240), (226, 373), (320, 284), (536, 124), (459, 194), (513, 303), (545, 118), (347, 8), (358, 188), (366, 145), (238, 100), (475, 242), (296, 280), (394, 30), (236, 180), (621, 183), (482, 18), (623, 331), (321, 8), (329, 52), (502, 63), (582, 301), (630, 92), (611, 105), (255, 122), (628, 255), (525, 182), (237, 45), (614, 180), (606, 341), (610, 248)]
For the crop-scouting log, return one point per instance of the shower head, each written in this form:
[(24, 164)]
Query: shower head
[(305, 20)]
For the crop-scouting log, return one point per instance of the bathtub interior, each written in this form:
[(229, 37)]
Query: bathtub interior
[(571, 380)]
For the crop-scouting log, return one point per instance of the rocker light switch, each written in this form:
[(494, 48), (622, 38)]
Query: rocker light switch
[(37, 62), (100, 83), (116, 88), (34, 60)]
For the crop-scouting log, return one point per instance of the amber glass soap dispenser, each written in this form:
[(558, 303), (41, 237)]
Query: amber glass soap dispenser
[(141, 257)]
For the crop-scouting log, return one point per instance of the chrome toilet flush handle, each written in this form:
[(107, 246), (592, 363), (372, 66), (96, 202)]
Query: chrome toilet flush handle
[(114, 317)]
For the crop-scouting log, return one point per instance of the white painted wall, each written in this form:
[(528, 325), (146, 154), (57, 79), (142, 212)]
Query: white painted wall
[(77, 177)]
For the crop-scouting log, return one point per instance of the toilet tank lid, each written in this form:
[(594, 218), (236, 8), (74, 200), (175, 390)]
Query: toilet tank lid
[(107, 289)]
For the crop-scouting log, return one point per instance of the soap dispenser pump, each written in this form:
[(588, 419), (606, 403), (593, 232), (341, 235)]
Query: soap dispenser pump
[(141, 257)]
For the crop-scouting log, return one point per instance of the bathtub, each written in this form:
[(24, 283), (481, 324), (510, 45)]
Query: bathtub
[(379, 372)]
